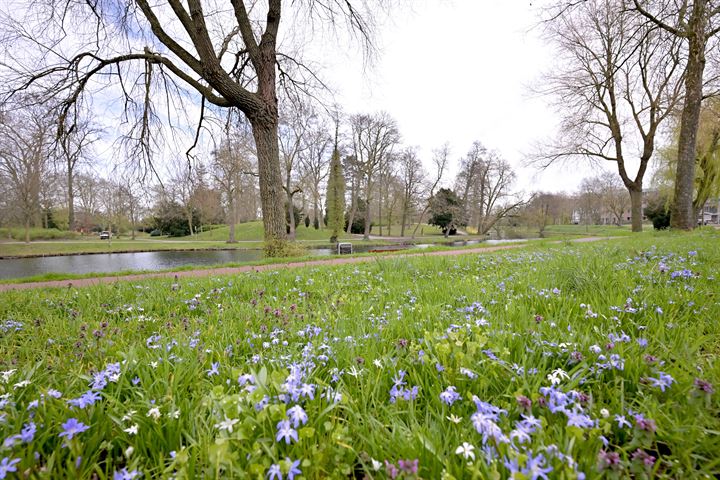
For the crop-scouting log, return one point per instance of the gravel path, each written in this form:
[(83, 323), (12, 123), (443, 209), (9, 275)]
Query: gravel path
[(84, 282)]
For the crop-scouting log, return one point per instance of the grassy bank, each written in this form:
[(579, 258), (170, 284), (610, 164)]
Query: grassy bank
[(569, 360)]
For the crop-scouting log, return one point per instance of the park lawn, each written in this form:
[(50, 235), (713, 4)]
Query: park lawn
[(566, 360), (594, 230), (253, 231)]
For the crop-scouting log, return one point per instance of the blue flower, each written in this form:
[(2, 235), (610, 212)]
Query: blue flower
[(297, 416), (72, 427), (125, 475), (534, 468), (28, 432), (213, 369), (7, 466), (622, 421), (294, 470), (274, 472), (286, 432), (450, 396)]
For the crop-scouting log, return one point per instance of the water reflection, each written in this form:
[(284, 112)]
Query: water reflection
[(162, 260)]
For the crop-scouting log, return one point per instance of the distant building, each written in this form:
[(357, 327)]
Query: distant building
[(710, 213)]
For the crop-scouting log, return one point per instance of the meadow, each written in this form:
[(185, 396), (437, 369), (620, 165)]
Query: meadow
[(551, 361)]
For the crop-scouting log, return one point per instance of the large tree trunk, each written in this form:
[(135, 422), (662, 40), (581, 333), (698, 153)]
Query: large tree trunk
[(682, 216), (636, 214), (27, 229), (402, 222), (271, 191)]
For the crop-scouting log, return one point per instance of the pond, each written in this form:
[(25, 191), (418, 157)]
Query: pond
[(162, 260)]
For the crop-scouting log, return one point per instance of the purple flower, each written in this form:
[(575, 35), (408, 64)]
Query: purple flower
[(449, 396), (286, 432), (213, 369), (11, 441), (308, 390), (663, 382), (72, 427), (704, 386), (85, 400), (274, 472), (643, 457), (297, 416), (534, 468), (28, 432), (608, 460), (125, 475), (622, 421), (409, 466), (7, 466), (645, 424), (391, 469), (577, 419), (294, 470)]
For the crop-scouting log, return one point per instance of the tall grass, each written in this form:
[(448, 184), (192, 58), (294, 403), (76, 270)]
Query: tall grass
[(547, 351)]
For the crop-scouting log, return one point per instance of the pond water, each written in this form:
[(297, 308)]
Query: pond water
[(161, 260)]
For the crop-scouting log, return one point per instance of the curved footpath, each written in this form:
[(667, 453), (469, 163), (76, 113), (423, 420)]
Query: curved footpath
[(84, 282)]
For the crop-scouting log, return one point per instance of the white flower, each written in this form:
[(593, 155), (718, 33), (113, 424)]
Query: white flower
[(376, 465), (174, 414), (132, 430), (227, 424), (129, 415), (24, 383), (454, 418), (154, 413), (154, 364), (129, 451), (466, 450), (604, 412), (376, 362), (556, 376), (7, 374)]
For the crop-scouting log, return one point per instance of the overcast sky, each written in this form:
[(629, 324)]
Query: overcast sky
[(459, 71)]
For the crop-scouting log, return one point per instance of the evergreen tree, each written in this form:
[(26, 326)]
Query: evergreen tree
[(336, 196)]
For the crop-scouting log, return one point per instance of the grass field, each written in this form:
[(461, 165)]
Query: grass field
[(250, 235), (564, 361)]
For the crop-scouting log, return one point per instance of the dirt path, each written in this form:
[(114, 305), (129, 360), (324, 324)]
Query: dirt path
[(84, 282)]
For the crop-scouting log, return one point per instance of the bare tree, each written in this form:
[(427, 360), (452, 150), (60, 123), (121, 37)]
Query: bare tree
[(294, 124), (695, 22), (25, 144), (469, 182), (89, 195), (485, 180), (232, 164), (413, 176), (620, 79), (440, 159), (315, 163), (374, 137), (199, 48), (76, 147), (591, 201)]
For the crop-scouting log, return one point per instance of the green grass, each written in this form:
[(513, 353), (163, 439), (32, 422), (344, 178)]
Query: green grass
[(373, 347), (18, 234), (594, 230)]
